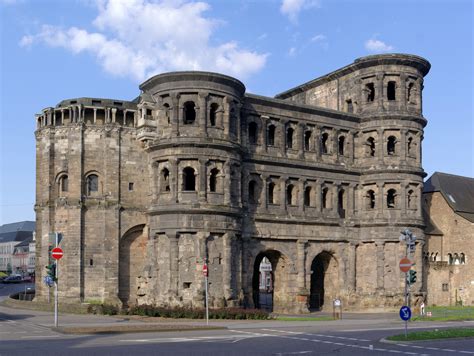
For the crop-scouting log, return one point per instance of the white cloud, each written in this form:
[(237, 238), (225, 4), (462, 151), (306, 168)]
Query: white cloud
[(377, 46), (292, 8), (292, 52), (318, 38), (140, 38)]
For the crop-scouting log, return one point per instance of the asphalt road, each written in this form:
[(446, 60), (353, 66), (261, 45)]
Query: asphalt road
[(25, 332), (7, 289)]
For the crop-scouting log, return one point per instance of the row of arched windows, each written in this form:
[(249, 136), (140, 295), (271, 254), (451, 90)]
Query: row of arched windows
[(91, 183), (452, 258), (190, 113), (188, 183), (325, 142)]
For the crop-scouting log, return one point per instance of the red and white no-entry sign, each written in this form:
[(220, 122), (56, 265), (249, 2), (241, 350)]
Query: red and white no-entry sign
[(405, 265), (204, 270), (57, 253)]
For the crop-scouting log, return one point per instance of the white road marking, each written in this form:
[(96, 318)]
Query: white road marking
[(38, 336), (320, 335), (293, 353)]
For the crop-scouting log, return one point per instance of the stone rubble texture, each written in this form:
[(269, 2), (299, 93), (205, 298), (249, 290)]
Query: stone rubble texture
[(299, 195)]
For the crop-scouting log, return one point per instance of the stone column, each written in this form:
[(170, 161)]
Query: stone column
[(202, 193), (317, 201), (402, 96), (352, 266), (176, 114), (265, 122), (317, 141), (114, 113), (174, 179), (226, 103), (301, 263), (351, 146), (264, 178), (379, 91), (202, 118), (380, 258), (95, 116), (174, 266), (227, 182), (335, 143), (418, 155), (283, 201), (380, 200), (300, 140), (419, 285), (228, 240), (403, 146), (301, 196), (335, 198), (350, 200), (283, 137), (380, 145), (403, 197)]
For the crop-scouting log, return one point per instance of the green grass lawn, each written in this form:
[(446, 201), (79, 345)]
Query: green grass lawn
[(447, 314), (434, 334)]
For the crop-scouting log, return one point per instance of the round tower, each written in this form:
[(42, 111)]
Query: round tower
[(194, 160)]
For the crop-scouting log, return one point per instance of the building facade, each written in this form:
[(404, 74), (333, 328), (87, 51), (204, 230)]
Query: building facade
[(319, 179), (448, 202), (11, 235)]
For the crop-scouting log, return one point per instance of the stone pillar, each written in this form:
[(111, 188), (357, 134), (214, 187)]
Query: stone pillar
[(403, 146), (402, 96), (226, 102), (155, 174), (283, 193), (174, 266), (202, 118), (174, 179), (264, 191), (265, 123), (227, 183), (335, 198), (283, 137), (379, 97), (301, 196), (351, 146), (317, 141), (62, 117), (176, 114), (419, 285), (114, 113), (335, 148), (403, 197), (303, 293), (229, 293), (350, 200), (317, 201), (352, 266), (418, 155), (202, 193), (380, 145), (380, 258), (300, 140), (95, 116), (379, 205), (54, 118)]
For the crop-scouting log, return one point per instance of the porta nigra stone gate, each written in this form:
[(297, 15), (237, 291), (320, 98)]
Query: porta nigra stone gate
[(320, 180)]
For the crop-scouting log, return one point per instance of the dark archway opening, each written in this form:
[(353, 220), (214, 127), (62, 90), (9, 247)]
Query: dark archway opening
[(323, 281)]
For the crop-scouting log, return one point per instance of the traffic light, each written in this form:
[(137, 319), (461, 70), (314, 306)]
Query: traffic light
[(411, 277), (52, 271)]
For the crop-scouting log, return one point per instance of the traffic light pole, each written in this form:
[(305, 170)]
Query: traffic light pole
[(407, 292)]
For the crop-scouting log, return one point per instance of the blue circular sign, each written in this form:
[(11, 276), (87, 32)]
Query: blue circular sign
[(405, 313), (48, 281)]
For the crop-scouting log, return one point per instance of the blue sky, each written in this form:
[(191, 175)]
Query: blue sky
[(53, 50)]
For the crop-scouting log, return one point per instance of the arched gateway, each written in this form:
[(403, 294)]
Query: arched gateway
[(324, 281)]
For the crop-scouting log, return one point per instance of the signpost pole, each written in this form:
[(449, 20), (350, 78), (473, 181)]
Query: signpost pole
[(205, 272), (56, 289)]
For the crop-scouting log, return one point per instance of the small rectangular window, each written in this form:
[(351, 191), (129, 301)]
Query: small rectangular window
[(95, 102), (445, 287), (130, 186), (118, 103), (91, 262), (148, 112), (186, 285)]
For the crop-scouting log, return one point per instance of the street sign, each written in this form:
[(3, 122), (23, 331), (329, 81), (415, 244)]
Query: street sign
[(405, 265), (405, 313), (205, 271), (57, 253)]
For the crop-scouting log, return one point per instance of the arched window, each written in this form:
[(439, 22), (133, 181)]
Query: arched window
[(289, 194), (307, 196), (391, 142), (340, 143), (253, 192), (391, 90), (324, 198), (166, 109), (410, 91), (271, 193), (213, 180), (370, 146), (324, 142), (410, 199), (92, 184), (165, 180), (391, 194), (307, 140), (462, 258), (349, 106), (370, 200), (456, 259), (409, 145), (271, 135), (64, 183), (253, 128), (189, 113), (341, 204), (189, 179), (213, 114), (289, 137), (369, 92), (450, 259)]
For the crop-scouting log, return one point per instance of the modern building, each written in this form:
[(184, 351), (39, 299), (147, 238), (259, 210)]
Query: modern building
[(448, 203), (10, 236), (319, 180)]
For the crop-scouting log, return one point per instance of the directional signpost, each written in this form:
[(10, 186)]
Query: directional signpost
[(410, 275), (405, 313), (56, 253)]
